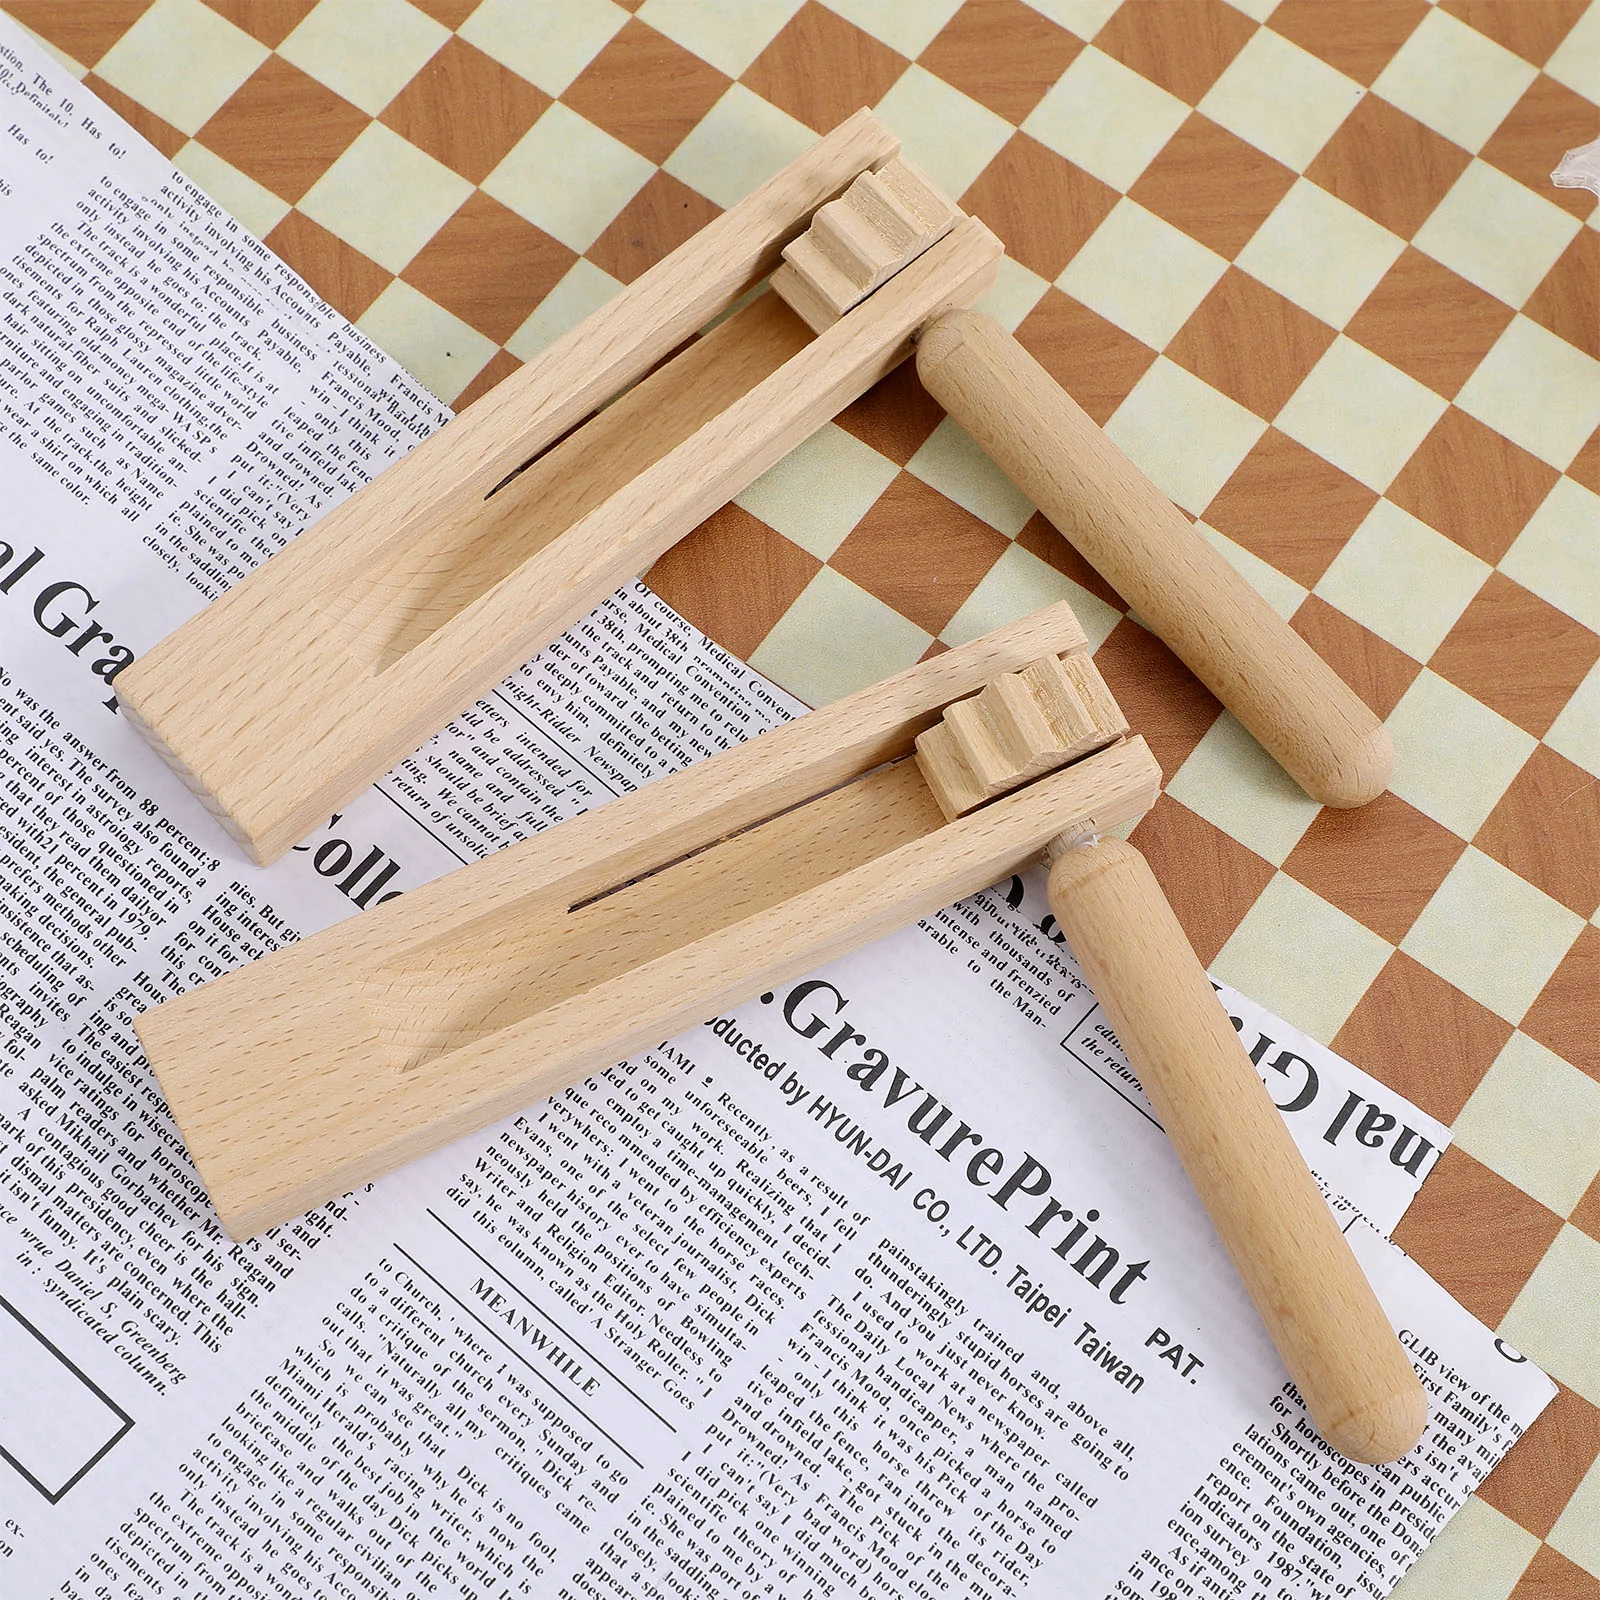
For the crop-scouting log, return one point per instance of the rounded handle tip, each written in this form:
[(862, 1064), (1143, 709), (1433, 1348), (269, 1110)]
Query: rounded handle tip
[(1383, 1431), (1359, 772)]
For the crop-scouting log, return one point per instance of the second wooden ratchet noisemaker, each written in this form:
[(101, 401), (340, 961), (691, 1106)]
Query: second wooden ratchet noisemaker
[(349, 648), (326, 1064)]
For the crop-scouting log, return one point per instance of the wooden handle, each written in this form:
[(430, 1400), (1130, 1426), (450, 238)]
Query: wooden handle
[(1231, 639), (1338, 1345)]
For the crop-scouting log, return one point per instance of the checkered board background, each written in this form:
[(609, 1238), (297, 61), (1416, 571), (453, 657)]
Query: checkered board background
[(1304, 262)]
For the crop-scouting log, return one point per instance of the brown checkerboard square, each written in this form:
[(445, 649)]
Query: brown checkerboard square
[(283, 128), (1478, 1235), (1373, 667), (1472, 484), (167, 139), (1092, 359), (895, 416), (1568, 301), (1248, 341), (1430, 323), (1357, 36), (1586, 1214), (1584, 467), (489, 266), (452, 13), (1533, 1484), (646, 90), (733, 577), (431, 111), (1531, 28), (1184, 48), (1042, 205), (499, 367), (1546, 828), (1422, 1036), (1551, 1576), (1209, 877), (1388, 165), (1547, 121), (919, 552), (85, 32), (1290, 507), (820, 68), (1160, 697), (1002, 53), (1040, 537), (1213, 185), (1339, 854), (1517, 654), (660, 217), (1566, 1016), (345, 278), (270, 21)]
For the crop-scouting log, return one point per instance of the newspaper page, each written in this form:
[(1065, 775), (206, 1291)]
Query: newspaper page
[(886, 1284)]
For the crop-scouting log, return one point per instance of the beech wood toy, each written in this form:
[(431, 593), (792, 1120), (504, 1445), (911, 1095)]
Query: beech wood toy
[(353, 645), (368, 633), (326, 1064), (1340, 1348), (317, 1068)]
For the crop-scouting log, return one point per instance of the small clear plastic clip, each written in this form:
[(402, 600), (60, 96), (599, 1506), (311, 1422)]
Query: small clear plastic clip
[(1580, 168)]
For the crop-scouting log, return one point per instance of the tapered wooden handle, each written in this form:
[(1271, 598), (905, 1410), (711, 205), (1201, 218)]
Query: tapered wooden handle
[(1311, 721), (1338, 1345)]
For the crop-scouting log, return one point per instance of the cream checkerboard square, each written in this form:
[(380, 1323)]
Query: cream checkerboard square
[(1576, 1533), (1453, 757), (740, 142), (955, 464), (438, 347), (583, 290), (1538, 390), (908, 26), (1492, 934), (1082, 17), (549, 42), (1105, 118), (1325, 256), (1557, 554), (1536, 1121), (1187, 437), (1363, 415), (537, 179), (728, 35), (1480, 1555), (182, 60), (1280, 591), (365, 50), (385, 196), (1496, 233), (836, 638), (1556, 1319), (1454, 79), (1575, 733), (1281, 98), (1016, 292), (1017, 585), (820, 490), (1306, 959), (259, 209), (1576, 60), (1230, 780), (1399, 578), (1141, 273), (948, 134)]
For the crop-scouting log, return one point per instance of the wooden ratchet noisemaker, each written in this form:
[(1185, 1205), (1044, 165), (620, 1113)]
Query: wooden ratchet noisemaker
[(318, 1068), (367, 634)]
